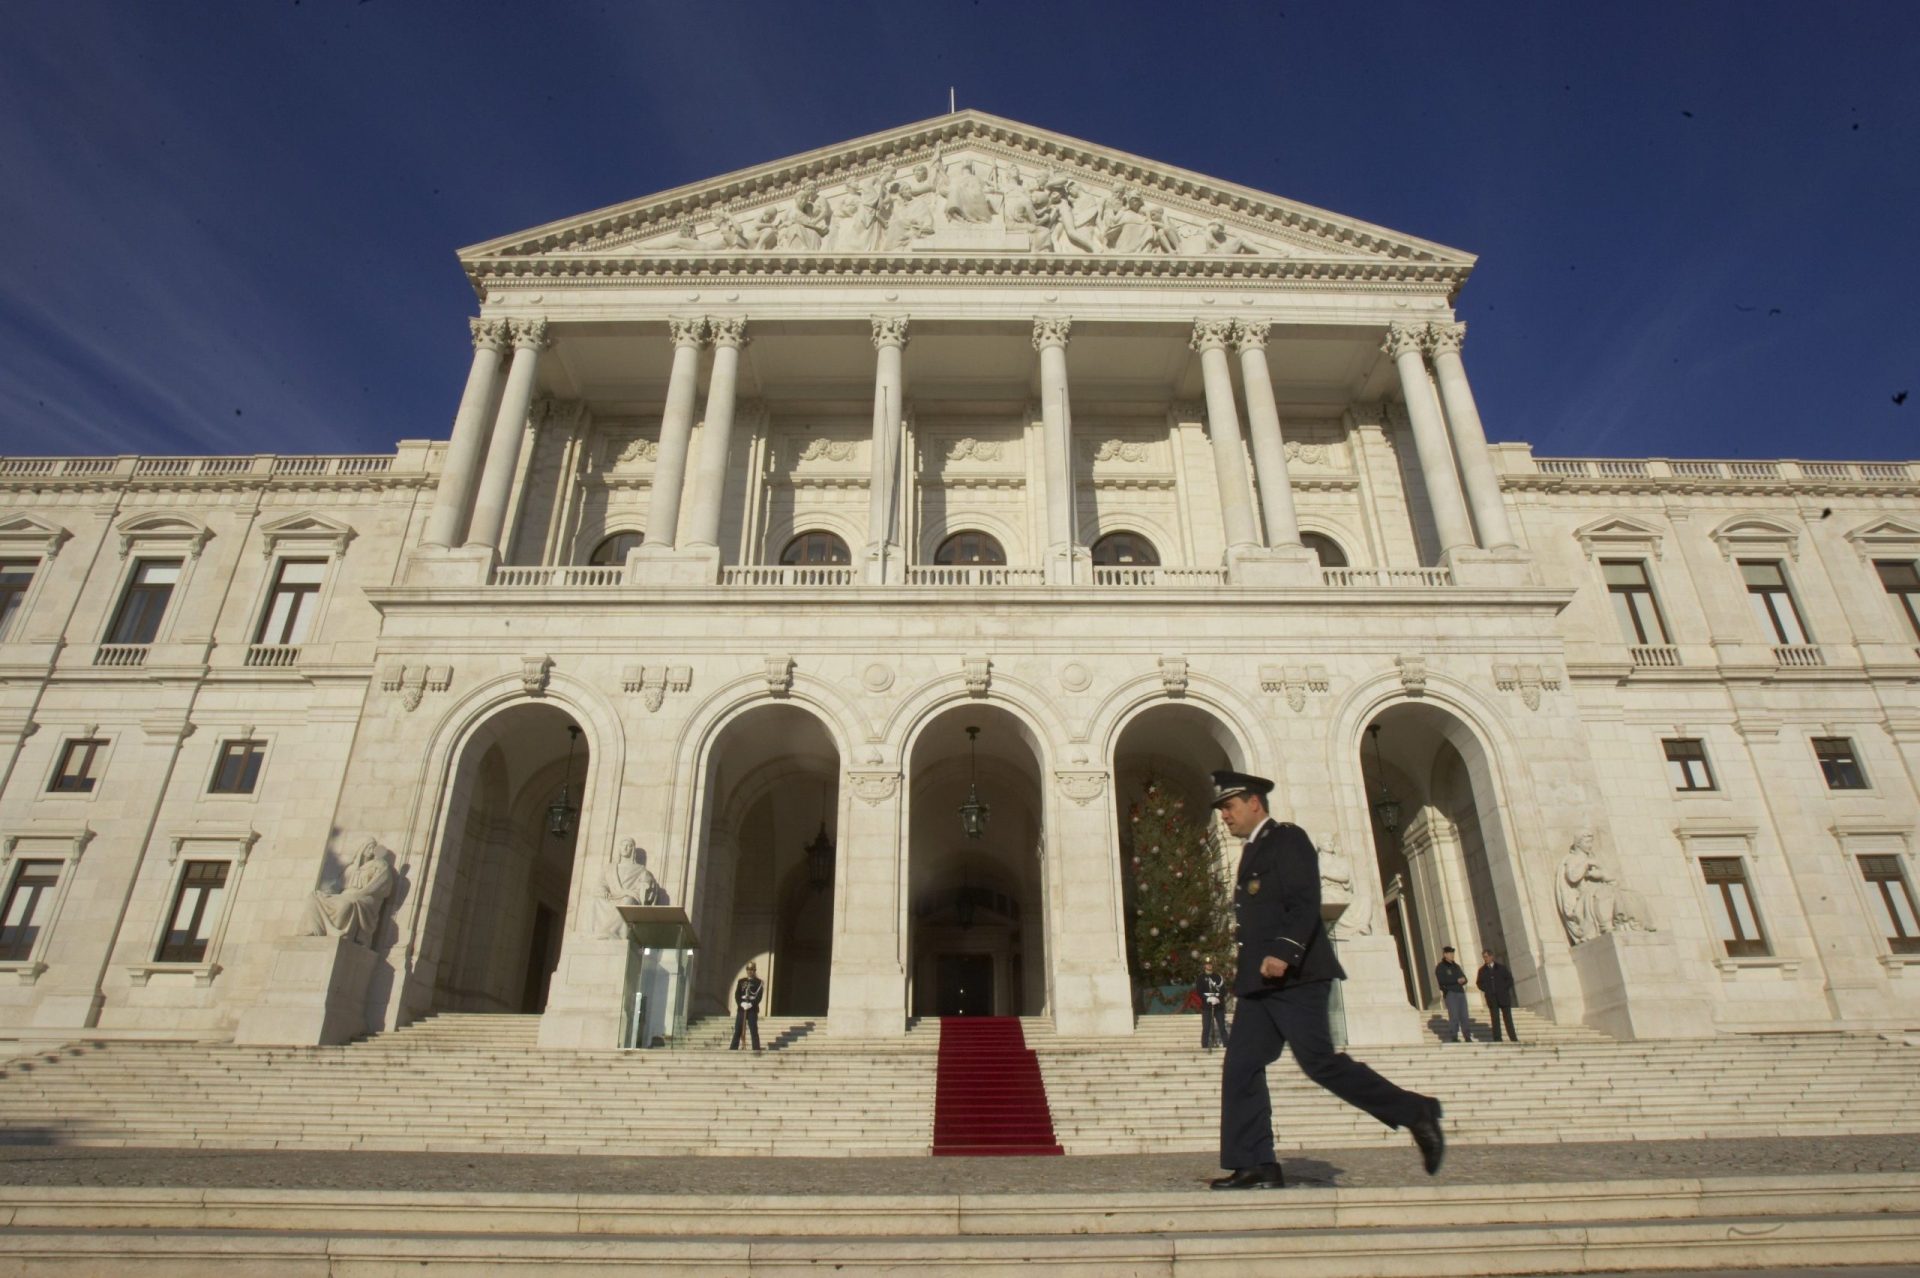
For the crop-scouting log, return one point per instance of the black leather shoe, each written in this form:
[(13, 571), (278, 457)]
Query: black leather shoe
[(1262, 1176), (1428, 1136)]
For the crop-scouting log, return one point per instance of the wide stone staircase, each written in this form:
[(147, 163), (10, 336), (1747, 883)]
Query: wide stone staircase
[(470, 1082)]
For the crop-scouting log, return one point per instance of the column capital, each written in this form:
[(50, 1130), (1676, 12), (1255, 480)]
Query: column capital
[(1051, 332), (727, 330), (1404, 336), (489, 334), (1250, 335), (1446, 339), (889, 330), (688, 330), (1211, 335), (530, 335)]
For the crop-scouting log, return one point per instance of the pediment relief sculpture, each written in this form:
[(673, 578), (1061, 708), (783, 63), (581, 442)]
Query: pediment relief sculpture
[(629, 451)]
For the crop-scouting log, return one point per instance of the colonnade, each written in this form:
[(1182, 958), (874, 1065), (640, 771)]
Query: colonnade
[(475, 490)]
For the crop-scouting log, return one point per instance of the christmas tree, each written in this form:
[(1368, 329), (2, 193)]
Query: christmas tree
[(1179, 911)]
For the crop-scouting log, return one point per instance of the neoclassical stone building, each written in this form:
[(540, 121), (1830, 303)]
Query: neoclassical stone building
[(764, 494)]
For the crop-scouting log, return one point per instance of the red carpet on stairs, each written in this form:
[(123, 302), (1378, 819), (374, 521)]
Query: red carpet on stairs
[(990, 1098)]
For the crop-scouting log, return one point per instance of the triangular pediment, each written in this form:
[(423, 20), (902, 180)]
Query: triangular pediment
[(1884, 535), (20, 530), (969, 188)]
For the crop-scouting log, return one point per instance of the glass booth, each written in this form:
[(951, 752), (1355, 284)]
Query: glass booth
[(653, 1002)]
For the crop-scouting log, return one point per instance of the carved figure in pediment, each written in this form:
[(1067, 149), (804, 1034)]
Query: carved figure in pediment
[(687, 240), (732, 238), (1019, 212), (764, 233), (1165, 236), (968, 197), (1215, 241), (859, 217), (1124, 227), (353, 911), (804, 224), (1068, 211), (916, 198)]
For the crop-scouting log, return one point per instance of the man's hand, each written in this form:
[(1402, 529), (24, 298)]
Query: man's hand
[(1272, 968)]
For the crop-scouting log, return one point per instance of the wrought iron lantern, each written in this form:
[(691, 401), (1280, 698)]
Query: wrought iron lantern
[(973, 813), (1386, 808), (820, 854), (560, 813)]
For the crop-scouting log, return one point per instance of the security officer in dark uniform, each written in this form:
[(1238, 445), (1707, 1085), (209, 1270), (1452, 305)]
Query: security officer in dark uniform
[(1283, 980), (1211, 990), (747, 993)]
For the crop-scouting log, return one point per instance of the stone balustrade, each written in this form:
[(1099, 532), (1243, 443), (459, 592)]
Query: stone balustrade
[(1517, 464)]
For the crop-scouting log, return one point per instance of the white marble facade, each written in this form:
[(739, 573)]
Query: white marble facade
[(228, 684)]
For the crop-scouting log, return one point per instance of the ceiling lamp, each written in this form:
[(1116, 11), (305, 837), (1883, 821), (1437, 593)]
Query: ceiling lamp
[(820, 853), (1386, 808), (973, 813), (560, 813)]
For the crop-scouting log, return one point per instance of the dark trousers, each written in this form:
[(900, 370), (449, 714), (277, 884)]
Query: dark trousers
[(1295, 1016), (1494, 1013), (1213, 1023), (1458, 1028), (747, 1019)]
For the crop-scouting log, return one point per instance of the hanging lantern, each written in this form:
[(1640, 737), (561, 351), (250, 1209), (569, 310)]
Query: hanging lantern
[(560, 812), (820, 854), (973, 813), (1386, 808)]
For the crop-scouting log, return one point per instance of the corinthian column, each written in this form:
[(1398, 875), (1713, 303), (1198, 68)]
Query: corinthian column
[(1469, 437), (503, 450), (1263, 427), (1403, 346), (716, 435), (1056, 416), (1210, 338), (676, 425), (889, 401), (446, 522)]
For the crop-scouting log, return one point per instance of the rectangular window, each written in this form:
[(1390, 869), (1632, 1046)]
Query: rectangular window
[(78, 759), (1839, 763), (137, 620), (1772, 602), (1738, 923), (196, 908), (1892, 902), (1633, 602), (291, 605), (239, 767), (1902, 579), (22, 916), (1687, 763), (15, 576)]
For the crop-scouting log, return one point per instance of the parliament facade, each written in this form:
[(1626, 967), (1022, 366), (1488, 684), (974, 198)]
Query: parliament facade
[(834, 549)]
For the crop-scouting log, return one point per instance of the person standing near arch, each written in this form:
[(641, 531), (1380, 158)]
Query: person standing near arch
[(1284, 979)]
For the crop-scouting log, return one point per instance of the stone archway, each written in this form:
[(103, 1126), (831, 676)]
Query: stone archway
[(976, 908), (494, 927)]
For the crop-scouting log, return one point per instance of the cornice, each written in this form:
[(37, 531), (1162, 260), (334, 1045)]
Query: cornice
[(1710, 488)]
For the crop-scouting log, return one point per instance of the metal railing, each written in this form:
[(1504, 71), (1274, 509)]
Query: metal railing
[(1800, 655), (1658, 655), (120, 655), (273, 656), (1386, 576), (562, 576)]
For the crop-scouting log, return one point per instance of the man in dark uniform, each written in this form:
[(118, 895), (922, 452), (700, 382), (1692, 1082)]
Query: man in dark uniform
[(1452, 980), (747, 993), (1495, 981), (1211, 990), (1283, 979)]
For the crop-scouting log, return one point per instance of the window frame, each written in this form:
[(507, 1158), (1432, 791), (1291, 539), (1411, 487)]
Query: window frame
[(1760, 603), (1852, 756), (1904, 943), (1678, 771), (64, 847), (1906, 602), (100, 746), (807, 535), (130, 583), (188, 850), (593, 555), (1616, 593), (312, 592), (1104, 539), (1759, 946), (221, 745), (14, 619), (1310, 535), (986, 537)]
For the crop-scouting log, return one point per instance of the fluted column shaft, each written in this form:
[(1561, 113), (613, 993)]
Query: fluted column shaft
[(509, 428), (1469, 436), (676, 427), (1263, 430), (716, 435), (889, 407), (1050, 339), (1210, 338), (460, 471), (1404, 346)]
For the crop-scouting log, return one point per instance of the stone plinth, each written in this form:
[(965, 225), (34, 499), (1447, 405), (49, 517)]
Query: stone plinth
[(1290, 566), (316, 993), (664, 566), (437, 566), (583, 1010), (1632, 989)]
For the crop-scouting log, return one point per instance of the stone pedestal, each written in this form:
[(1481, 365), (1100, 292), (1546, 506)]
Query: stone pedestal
[(461, 566), (1633, 989), (316, 993), (867, 995), (1375, 994), (1282, 568), (1508, 569), (666, 566), (1086, 947), (583, 1000)]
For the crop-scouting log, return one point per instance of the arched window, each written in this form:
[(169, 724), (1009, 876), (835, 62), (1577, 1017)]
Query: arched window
[(1125, 549), (613, 549), (816, 548), (1331, 556), (970, 548)]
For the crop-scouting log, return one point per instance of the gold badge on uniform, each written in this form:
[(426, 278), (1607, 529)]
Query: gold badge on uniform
[(1253, 886)]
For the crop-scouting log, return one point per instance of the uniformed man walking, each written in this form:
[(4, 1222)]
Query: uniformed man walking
[(1211, 990), (1283, 980), (747, 993)]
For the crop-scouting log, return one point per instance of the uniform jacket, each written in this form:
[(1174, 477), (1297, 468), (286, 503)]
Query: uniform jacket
[(1276, 911), (746, 993), (1451, 976), (1212, 984), (1496, 982)]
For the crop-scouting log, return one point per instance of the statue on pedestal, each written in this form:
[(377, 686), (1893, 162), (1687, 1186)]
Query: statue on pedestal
[(353, 911), (1592, 902), (625, 880)]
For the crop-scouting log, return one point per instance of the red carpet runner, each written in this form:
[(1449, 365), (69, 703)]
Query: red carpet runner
[(990, 1098)]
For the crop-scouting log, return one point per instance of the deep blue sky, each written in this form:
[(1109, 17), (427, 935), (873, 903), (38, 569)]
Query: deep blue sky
[(230, 227)]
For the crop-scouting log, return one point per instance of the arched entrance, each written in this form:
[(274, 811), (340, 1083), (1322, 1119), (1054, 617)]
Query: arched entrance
[(494, 927), (976, 906), (1446, 869), (767, 870)]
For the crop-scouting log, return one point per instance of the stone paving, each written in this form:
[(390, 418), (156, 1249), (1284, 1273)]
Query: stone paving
[(1156, 1173)]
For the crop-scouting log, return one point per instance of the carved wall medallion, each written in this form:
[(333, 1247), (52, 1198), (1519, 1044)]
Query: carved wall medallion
[(779, 671), (653, 683), (1306, 454), (873, 788), (1075, 678), (1526, 679), (1173, 675), (1131, 451), (1413, 674), (412, 683), (838, 450), (1082, 787), (971, 449), (877, 677), (1293, 682), (978, 669), (630, 450), (534, 671)]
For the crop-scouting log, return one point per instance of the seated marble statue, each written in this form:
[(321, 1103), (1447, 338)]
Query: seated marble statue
[(626, 880), (1592, 902), (353, 911)]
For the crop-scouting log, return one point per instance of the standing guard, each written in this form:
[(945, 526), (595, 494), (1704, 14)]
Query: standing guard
[(747, 993), (1211, 990)]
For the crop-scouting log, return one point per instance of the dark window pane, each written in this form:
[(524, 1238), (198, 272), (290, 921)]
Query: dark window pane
[(1839, 763), (15, 576), (816, 548), (1634, 606), (1902, 581), (21, 917), (1125, 549), (970, 548), (1687, 764), (1736, 921), (613, 550), (1331, 556), (75, 772), (137, 620), (239, 766), (196, 908)]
